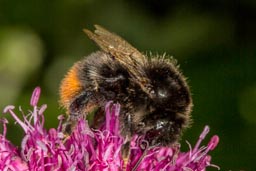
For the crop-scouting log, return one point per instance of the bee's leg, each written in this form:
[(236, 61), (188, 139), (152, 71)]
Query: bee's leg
[(97, 118), (127, 131), (126, 152), (76, 108), (67, 127), (76, 111), (125, 149)]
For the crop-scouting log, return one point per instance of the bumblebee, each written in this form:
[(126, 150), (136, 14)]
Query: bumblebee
[(154, 96)]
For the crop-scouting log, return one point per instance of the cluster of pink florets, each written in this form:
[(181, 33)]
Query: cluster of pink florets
[(90, 150)]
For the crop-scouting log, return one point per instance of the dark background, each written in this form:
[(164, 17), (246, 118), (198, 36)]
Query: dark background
[(214, 42)]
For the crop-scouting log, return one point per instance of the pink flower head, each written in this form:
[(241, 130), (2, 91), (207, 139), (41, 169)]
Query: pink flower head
[(86, 149)]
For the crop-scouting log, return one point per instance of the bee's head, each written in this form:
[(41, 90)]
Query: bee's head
[(167, 110)]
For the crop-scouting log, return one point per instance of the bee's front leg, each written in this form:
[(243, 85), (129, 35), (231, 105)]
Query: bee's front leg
[(76, 111)]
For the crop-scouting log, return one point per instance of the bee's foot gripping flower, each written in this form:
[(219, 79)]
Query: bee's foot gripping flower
[(89, 150)]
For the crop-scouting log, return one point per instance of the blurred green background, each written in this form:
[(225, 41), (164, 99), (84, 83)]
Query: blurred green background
[(214, 42)]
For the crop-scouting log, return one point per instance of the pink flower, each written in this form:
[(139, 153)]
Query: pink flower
[(89, 150)]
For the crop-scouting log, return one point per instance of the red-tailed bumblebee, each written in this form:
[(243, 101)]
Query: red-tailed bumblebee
[(154, 96)]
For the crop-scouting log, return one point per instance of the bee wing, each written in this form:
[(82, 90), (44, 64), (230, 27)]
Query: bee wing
[(116, 46), (122, 51)]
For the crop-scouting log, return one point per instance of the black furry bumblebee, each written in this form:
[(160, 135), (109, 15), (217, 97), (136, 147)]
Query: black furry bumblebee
[(154, 96)]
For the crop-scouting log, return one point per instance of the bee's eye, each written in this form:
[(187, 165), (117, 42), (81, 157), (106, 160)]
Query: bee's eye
[(162, 93), (119, 77), (160, 124)]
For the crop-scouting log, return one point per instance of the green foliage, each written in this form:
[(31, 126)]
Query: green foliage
[(213, 42)]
